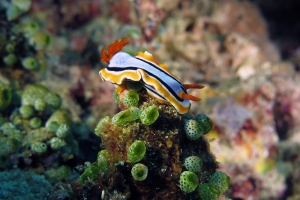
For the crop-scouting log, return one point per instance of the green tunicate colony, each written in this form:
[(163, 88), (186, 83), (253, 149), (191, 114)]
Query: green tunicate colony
[(218, 184), (193, 163), (131, 99), (139, 172), (90, 173), (205, 122), (35, 122), (149, 115), (92, 170), (205, 192), (195, 128), (102, 124), (26, 111), (30, 33), (136, 151), (188, 181), (29, 127), (220, 181), (11, 138), (131, 114), (102, 161), (56, 143), (59, 123), (192, 129), (39, 147), (40, 97), (5, 96)]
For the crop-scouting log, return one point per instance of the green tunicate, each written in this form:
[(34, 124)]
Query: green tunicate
[(31, 28), (149, 115), (188, 181), (102, 160), (57, 143), (17, 134), (32, 93), (136, 151), (10, 59), (30, 63), (40, 105), (193, 163), (39, 147), (131, 114), (35, 122), (5, 97), (11, 145), (206, 193), (23, 5), (90, 173), (52, 126), (26, 111), (13, 12), (131, 99), (220, 181), (9, 48), (101, 126), (8, 128), (53, 100), (62, 130), (40, 40), (60, 116), (192, 129), (205, 122), (134, 86), (64, 171), (139, 172)]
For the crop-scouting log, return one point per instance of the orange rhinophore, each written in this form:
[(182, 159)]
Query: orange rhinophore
[(113, 49)]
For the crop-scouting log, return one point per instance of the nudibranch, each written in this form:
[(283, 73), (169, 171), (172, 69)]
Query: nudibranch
[(156, 78)]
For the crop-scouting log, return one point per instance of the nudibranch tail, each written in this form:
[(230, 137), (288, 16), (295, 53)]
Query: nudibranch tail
[(113, 49)]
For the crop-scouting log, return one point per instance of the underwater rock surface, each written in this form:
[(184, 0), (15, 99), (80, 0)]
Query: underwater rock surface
[(153, 174)]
